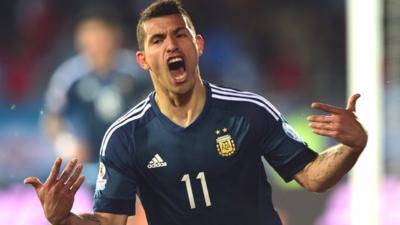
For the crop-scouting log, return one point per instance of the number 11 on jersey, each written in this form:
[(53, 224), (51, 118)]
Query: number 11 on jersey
[(189, 190)]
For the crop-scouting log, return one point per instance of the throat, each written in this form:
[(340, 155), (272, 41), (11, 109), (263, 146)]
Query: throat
[(182, 115), (184, 109), (184, 120)]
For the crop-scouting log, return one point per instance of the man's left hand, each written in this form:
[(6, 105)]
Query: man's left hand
[(341, 124)]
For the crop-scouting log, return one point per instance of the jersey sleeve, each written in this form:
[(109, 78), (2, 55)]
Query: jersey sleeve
[(116, 181), (283, 148)]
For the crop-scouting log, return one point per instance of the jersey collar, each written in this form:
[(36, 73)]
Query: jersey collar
[(173, 126)]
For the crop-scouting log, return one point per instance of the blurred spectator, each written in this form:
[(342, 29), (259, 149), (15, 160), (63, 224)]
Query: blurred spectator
[(91, 90)]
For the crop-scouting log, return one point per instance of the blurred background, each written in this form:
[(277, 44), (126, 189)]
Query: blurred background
[(293, 52)]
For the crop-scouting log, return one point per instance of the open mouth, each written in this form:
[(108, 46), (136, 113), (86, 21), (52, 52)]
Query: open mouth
[(176, 63), (176, 66)]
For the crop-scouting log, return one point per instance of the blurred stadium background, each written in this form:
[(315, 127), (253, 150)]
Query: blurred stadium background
[(291, 51)]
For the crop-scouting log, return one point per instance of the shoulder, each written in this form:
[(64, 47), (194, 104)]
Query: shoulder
[(125, 54), (61, 81), (70, 70), (118, 136), (125, 62), (244, 102)]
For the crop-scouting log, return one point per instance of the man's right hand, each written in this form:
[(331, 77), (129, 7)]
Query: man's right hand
[(57, 193)]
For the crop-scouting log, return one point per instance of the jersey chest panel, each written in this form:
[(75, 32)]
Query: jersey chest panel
[(210, 156)]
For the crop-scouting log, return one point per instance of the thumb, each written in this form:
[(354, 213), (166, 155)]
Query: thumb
[(34, 181), (351, 103)]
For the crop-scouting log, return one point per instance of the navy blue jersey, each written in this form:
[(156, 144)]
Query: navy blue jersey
[(209, 173), (94, 101)]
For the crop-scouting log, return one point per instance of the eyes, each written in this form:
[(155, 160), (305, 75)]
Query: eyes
[(182, 35), (156, 41), (159, 38)]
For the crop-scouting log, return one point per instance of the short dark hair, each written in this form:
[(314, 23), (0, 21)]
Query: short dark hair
[(104, 13), (157, 9)]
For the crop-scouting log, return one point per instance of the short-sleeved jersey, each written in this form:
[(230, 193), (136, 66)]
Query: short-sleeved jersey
[(79, 66), (210, 172)]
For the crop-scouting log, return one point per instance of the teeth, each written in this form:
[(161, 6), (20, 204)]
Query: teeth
[(177, 59)]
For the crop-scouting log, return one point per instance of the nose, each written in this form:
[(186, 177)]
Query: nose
[(172, 44)]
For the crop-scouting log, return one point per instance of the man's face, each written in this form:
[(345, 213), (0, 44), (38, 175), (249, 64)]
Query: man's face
[(97, 41), (171, 54)]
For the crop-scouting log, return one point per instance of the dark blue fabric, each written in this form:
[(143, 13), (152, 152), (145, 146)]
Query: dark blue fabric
[(219, 154)]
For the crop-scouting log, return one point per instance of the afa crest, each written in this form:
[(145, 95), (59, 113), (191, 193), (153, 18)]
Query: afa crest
[(225, 143), (102, 171), (101, 182)]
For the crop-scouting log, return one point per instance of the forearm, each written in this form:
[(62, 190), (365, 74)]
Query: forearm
[(97, 218), (82, 219), (328, 168), (54, 125)]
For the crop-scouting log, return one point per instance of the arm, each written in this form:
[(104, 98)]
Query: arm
[(65, 142), (94, 219), (332, 164), (57, 196)]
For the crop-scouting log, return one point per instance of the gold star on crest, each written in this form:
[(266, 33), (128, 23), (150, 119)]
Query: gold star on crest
[(217, 131), (225, 130)]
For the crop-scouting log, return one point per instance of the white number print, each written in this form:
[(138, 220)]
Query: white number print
[(189, 190), (186, 179)]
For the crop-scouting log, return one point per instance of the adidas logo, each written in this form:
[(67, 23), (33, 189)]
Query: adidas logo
[(156, 162)]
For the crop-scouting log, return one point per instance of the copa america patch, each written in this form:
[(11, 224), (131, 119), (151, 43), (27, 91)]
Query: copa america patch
[(289, 131), (101, 182)]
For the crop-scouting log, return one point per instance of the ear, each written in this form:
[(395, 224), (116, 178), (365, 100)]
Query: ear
[(200, 44), (141, 59)]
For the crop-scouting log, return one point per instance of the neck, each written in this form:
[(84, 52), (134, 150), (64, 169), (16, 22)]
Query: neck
[(101, 63), (182, 109)]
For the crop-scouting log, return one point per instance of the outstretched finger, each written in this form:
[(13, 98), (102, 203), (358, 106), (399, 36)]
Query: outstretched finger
[(67, 171), (74, 188), (320, 118), (74, 176), (327, 108), (351, 103), (324, 132), (54, 171), (34, 181), (322, 126)]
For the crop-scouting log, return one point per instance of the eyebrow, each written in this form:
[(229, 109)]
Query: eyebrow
[(162, 34)]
